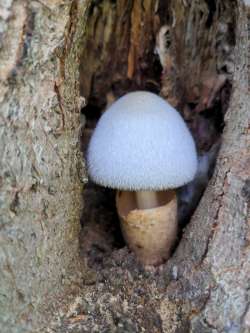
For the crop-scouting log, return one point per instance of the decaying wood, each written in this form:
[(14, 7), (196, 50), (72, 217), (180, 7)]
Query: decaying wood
[(118, 48), (204, 287)]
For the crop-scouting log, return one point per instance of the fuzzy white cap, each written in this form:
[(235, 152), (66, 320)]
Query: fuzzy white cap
[(141, 143)]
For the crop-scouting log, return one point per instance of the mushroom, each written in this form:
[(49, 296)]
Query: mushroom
[(142, 147)]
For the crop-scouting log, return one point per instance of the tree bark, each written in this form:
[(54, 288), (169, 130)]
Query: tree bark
[(41, 169), (213, 258), (205, 286)]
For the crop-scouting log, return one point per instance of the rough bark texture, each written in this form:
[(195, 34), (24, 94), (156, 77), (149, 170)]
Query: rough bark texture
[(205, 286), (40, 163), (213, 258)]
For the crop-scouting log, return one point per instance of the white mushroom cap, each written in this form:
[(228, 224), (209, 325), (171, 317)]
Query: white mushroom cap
[(141, 143)]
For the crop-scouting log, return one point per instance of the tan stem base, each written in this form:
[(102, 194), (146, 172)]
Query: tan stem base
[(150, 233)]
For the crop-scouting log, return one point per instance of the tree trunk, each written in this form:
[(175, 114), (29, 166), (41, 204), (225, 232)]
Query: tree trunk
[(205, 286), (212, 262), (41, 171)]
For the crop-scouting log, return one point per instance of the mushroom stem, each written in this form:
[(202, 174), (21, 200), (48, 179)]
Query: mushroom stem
[(146, 199), (150, 233)]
